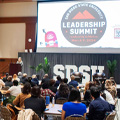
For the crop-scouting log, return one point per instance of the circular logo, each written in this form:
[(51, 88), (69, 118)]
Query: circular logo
[(83, 24)]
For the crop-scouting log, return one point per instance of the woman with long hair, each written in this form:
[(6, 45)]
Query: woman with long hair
[(74, 105), (63, 91), (15, 77), (19, 100)]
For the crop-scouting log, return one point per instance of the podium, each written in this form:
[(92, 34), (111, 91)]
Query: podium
[(14, 68)]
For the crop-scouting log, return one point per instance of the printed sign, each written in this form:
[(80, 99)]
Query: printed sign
[(83, 24)]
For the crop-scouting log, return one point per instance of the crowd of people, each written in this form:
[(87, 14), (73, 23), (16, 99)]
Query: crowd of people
[(29, 92)]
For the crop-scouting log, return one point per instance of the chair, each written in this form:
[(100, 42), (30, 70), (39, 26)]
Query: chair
[(111, 116), (61, 100), (75, 117), (26, 114), (35, 117), (5, 113)]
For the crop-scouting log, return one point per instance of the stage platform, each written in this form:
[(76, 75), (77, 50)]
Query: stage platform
[(64, 63)]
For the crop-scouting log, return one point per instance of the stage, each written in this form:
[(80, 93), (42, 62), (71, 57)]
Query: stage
[(64, 63)]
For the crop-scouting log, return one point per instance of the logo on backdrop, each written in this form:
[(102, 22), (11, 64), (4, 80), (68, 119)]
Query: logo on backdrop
[(83, 24)]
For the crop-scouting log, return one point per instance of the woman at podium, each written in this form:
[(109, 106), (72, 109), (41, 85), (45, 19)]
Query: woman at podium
[(20, 61)]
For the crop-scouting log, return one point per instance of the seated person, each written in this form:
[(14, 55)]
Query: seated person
[(63, 91), (52, 87), (2, 84), (20, 75), (34, 80), (9, 81), (109, 99), (110, 86), (24, 79), (58, 81), (73, 82), (15, 77), (45, 91), (5, 78), (87, 95), (65, 80), (45, 79), (108, 96), (34, 102), (86, 86), (14, 91), (98, 107), (74, 106), (19, 100)]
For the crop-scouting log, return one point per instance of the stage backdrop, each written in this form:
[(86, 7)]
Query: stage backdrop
[(64, 63)]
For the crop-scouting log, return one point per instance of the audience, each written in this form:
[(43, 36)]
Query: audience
[(74, 106), (58, 81), (45, 91), (34, 81), (20, 75), (110, 86), (9, 81), (19, 100), (73, 82), (86, 86), (14, 91), (15, 77), (113, 81), (45, 79), (34, 102), (34, 98), (98, 107), (63, 91), (109, 98), (2, 84), (87, 94), (51, 86), (24, 78), (5, 78), (65, 80)]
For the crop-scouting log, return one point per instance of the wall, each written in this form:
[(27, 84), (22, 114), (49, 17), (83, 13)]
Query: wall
[(17, 25), (13, 35)]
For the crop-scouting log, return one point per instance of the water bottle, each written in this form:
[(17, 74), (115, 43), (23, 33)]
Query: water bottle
[(47, 100), (53, 101)]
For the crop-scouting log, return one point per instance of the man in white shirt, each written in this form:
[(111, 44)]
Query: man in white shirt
[(15, 89)]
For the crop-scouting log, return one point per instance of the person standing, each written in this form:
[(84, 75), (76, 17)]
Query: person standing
[(20, 61)]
